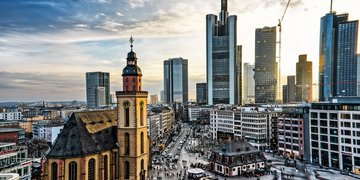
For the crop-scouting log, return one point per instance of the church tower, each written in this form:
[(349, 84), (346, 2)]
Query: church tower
[(132, 123)]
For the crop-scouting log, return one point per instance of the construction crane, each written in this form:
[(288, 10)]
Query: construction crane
[(279, 57)]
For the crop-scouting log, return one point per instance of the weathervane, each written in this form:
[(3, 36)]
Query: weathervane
[(131, 42)]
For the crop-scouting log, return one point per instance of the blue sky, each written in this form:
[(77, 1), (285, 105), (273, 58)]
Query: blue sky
[(46, 46)]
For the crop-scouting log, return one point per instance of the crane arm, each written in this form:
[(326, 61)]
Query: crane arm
[(282, 18)]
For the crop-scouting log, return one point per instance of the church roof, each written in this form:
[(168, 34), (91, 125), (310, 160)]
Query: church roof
[(86, 133)]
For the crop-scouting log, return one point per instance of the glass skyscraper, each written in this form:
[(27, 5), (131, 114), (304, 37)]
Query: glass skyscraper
[(176, 81), (201, 93), (223, 58), (97, 89), (337, 58), (303, 79), (265, 65)]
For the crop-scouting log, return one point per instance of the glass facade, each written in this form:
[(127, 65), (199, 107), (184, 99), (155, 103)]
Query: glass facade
[(223, 59), (94, 82), (337, 58), (265, 65), (176, 80), (201, 93), (304, 79)]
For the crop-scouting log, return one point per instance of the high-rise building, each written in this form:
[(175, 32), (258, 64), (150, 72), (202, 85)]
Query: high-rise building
[(285, 97), (97, 89), (303, 79), (249, 83), (176, 81), (162, 94), (223, 58), (358, 75), (291, 89), (337, 59), (201, 93), (265, 65), (154, 99)]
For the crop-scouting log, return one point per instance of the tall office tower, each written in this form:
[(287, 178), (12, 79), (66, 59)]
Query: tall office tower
[(358, 75), (285, 94), (162, 96), (223, 58), (265, 65), (176, 81), (338, 61), (291, 89), (249, 83), (154, 99), (201, 93), (303, 79), (97, 89)]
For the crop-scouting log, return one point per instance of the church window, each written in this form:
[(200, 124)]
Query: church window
[(106, 167), (142, 164), (126, 105), (127, 144), (91, 169), (141, 113), (54, 171), (142, 142), (73, 171), (127, 170), (134, 80)]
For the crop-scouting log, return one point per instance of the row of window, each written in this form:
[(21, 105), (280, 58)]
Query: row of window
[(73, 169), (126, 105)]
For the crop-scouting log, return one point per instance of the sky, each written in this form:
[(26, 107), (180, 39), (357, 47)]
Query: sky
[(47, 46)]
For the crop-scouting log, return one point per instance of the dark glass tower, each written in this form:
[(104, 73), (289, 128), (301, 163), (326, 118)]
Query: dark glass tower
[(265, 65), (337, 58), (223, 58), (97, 89), (176, 81), (201, 93)]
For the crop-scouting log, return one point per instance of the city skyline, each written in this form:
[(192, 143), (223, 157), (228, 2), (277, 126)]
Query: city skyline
[(48, 46)]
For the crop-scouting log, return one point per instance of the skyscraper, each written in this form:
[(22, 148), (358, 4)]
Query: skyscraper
[(154, 99), (201, 93), (265, 65), (249, 83), (337, 61), (97, 89), (176, 81), (223, 58), (303, 79), (291, 89)]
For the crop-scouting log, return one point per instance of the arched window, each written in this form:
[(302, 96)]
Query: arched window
[(142, 164), (127, 170), (91, 169), (126, 79), (139, 88), (54, 171), (139, 79), (134, 80), (73, 171), (126, 105), (142, 142), (141, 113), (106, 167), (134, 88), (116, 165), (127, 144)]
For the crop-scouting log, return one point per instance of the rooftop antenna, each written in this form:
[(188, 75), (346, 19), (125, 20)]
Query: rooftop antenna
[(331, 5)]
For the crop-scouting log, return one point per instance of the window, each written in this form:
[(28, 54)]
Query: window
[(91, 169), (54, 171), (106, 176), (142, 113), (126, 80), (142, 164), (127, 170), (127, 144), (134, 80), (345, 116), (73, 171), (126, 105), (142, 142)]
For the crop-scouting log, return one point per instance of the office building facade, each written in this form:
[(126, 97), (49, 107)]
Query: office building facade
[(223, 58), (176, 81), (265, 65), (337, 58), (289, 90), (201, 93), (335, 133), (249, 84), (304, 79), (97, 89)]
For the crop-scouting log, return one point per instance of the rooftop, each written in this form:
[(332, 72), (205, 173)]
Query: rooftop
[(237, 147), (6, 130)]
